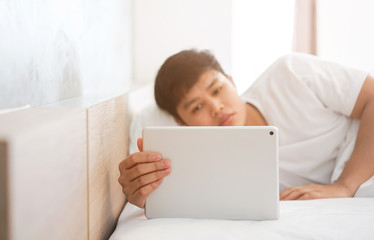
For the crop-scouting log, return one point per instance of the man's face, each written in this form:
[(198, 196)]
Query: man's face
[(212, 101)]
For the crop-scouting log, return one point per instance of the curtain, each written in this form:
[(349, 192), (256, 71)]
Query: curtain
[(304, 36)]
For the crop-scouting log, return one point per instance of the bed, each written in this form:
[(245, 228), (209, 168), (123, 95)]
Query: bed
[(345, 218), (340, 218)]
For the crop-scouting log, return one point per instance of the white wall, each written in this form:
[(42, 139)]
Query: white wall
[(165, 27), (346, 32), (54, 50), (262, 32)]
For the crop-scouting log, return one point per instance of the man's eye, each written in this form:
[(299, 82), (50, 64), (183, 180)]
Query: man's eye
[(197, 108), (217, 90)]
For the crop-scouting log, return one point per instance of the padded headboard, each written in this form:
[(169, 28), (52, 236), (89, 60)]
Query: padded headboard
[(59, 169)]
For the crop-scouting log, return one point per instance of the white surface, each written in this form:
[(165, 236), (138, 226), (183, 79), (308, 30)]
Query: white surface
[(217, 172), (340, 219), (149, 115), (165, 27), (55, 50), (45, 173), (8, 110), (261, 32), (345, 32)]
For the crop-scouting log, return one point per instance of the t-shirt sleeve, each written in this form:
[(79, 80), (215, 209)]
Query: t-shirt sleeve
[(335, 85)]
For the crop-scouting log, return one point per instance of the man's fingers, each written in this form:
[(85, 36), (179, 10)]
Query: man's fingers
[(305, 192), (144, 180), (315, 191), (138, 190), (142, 169), (307, 196), (286, 192), (139, 157), (292, 193), (140, 144), (141, 194)]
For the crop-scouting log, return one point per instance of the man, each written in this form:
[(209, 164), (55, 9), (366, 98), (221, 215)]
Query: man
[(324, 113)]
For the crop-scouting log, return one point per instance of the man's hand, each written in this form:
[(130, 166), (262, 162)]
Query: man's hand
[(141, 173), (315, 191)]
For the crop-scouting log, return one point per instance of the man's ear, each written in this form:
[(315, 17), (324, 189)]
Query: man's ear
[(179, 121)]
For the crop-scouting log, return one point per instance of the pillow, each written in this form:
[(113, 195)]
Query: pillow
[(149, 115)]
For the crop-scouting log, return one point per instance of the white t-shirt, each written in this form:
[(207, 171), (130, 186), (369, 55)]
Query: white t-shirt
[(310, 101)]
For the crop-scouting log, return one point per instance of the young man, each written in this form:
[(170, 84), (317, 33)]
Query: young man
[(324, 113)]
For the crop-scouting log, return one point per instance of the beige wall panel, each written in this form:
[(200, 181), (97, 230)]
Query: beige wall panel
[(107, 146), (46, 173), (3, 191)]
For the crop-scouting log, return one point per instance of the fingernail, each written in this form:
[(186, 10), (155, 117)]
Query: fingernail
[(165, 163), (156, 157), (166, 171)]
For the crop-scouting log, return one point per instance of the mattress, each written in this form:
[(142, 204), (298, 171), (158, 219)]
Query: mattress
[(339, 218)]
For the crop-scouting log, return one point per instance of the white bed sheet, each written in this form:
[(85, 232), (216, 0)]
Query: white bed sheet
[(340, 218)]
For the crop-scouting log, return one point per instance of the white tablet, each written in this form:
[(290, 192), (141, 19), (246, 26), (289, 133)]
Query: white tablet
[(216, 172)]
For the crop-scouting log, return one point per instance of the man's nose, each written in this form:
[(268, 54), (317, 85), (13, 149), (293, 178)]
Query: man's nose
[(216, 107)]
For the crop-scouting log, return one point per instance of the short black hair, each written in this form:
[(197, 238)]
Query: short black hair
[(178, 74)]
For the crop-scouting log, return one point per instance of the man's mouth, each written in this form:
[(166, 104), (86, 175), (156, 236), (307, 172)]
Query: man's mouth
[(226, 120)]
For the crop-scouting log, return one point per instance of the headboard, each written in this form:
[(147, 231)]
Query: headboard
[(59, 169)]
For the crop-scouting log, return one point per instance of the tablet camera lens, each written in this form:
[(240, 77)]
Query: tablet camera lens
[(271, 133)]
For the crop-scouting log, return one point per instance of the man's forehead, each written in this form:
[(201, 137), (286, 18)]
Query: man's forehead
[(204, 84)]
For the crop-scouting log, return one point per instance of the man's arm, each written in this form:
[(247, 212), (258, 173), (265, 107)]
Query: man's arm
[(360, 167)]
